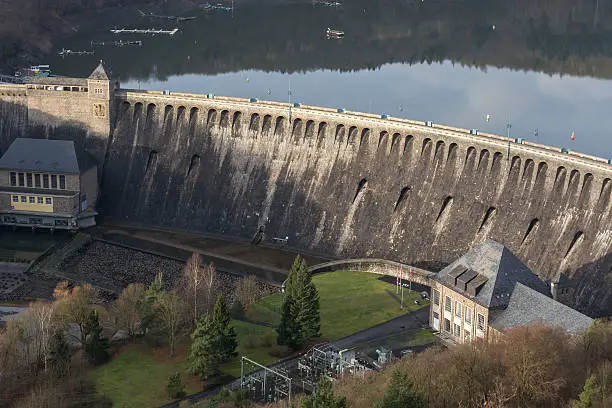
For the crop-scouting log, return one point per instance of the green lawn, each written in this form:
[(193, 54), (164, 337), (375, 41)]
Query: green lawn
[(137, 376), (349, 302), (254, 342)]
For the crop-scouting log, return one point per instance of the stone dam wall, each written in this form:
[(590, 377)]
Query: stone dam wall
[(355, 185), (342, 184)]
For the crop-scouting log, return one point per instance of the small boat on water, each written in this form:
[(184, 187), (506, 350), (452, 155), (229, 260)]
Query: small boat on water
[(218, 6), (65, 53), (334, 33)]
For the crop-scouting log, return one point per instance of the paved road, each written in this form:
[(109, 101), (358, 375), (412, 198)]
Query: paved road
[(407, 323)]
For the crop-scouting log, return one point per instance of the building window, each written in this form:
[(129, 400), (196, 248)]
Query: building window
[(39, 200), (48, 200), (447, 325), (24, 199), (481, 322), (436, 297), (15, 199), (468, 315), (457, 332), (37, 180), (21, 179), (13, 178), (29, 179), (62, 180), (458, 309), (32, 200), (98, 91), (45, 181), (53, 181), (99, 110), (448, 305), (466, 335), (436, 315)]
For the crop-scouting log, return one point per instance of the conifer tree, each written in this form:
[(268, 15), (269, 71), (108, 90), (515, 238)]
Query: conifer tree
[(213, 342), (227, 336), (323, 397), (59, 354), (204, 358), (401, 393), (96, 345), (288, 330), (300, 319), (152, 293)]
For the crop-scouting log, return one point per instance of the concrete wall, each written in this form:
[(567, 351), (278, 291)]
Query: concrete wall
[(13, 114), (356, 185), (83, 116), (89, 187)]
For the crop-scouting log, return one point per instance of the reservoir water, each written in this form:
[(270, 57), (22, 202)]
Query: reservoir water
[(521, 68)]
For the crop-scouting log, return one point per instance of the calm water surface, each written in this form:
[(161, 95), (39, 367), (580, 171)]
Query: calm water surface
[(545, 71), (539, 107)]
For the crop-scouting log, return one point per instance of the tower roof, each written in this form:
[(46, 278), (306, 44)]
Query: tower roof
[(99, 73)]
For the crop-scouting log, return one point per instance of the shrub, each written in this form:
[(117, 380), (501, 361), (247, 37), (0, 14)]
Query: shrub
[(237, 310), (175, 387)]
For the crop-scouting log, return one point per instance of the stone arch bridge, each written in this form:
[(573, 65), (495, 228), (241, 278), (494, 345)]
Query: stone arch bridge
[(377, 266)]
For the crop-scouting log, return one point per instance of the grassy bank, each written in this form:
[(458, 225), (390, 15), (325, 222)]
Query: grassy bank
[(349, 302)]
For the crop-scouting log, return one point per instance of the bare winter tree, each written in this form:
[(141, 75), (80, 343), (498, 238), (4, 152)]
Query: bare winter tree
[(75, 305), (126, 311), (246, 290), (209, 274), (193, 276), (44, 321), (170, 311)]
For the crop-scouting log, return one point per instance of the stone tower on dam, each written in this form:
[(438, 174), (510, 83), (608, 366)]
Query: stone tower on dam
[(79, 109), (349, 184)]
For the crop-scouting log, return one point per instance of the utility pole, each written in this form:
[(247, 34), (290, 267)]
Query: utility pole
[(290, 101), (508, 127), (402, 283)]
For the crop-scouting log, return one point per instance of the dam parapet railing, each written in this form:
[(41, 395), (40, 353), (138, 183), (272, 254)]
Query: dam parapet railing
[(377, 266), (562, 154)]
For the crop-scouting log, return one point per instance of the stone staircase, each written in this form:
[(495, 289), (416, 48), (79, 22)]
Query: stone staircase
[(48, 265)]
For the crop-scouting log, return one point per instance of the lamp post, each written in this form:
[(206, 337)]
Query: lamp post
[(290, 101), (508, 127)]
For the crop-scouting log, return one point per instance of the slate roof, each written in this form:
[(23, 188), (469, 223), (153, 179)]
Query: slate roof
[(501, 269), (60, 156), (99, 73), (528, 306), (514, 295), (59, 81)]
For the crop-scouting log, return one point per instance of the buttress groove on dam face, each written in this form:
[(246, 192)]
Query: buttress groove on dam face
[(348, 185), (342, 184)]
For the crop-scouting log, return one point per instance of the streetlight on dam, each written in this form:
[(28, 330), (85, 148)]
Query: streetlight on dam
[(508, 127)]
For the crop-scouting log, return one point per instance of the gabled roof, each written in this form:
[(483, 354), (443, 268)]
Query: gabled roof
[(61, 156), (99, 73), (488, 274), (527, 306), (57, 80)]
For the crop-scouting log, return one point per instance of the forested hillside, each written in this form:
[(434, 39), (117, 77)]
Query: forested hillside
[(28, 27)]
